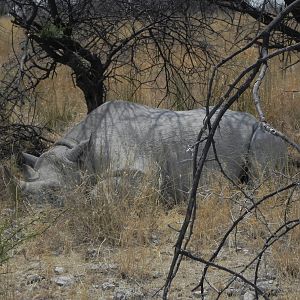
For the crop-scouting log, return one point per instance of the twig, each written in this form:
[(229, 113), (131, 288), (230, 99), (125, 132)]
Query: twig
[(211, 264)]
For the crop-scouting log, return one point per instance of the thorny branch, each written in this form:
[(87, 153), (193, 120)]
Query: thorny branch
[(96, 39), (241, 83), (256, 97)]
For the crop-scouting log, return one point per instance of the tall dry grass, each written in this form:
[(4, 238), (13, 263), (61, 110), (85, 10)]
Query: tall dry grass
[(221, 206), (137, 227), (138, 230), (5, 38)]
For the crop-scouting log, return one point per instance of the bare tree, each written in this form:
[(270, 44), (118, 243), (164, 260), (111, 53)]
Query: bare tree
[(265, 17), (96, 38)]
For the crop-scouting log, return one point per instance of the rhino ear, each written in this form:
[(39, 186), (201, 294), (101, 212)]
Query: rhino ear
[(74, 153), (29, 159), (29, 173)]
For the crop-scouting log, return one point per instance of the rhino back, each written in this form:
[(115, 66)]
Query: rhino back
[(127, 135)]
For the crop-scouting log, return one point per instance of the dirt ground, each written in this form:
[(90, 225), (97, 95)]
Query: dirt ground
[(50, 266)]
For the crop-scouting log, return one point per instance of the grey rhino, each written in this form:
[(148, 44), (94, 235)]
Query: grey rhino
[(120, 138)]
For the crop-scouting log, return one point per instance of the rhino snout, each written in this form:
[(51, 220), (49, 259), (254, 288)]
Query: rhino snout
[(39, 192)]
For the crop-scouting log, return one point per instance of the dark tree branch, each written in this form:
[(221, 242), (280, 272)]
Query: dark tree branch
[(263, 17)]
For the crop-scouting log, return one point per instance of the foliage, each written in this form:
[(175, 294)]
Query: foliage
[(51, 31)]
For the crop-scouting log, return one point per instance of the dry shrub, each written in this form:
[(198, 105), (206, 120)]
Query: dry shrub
[(286, 257), (259, 225), (136, 227), (212, 218), (7, 189), (119, 218), (221, 204), (136, 262), (134, 223), (63, 104), (285, 253), (281, 96)]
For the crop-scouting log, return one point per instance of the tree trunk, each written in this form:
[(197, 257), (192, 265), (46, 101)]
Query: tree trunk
[(94, 99), (93, 90)]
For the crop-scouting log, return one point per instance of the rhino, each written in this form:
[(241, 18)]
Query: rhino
[(121, 138)]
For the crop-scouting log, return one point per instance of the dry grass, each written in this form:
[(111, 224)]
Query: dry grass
[(221, 206), (5, 39), (136, 233), (62, 102)]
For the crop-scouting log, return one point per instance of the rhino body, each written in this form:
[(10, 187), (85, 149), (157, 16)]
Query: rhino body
[(121, 138)]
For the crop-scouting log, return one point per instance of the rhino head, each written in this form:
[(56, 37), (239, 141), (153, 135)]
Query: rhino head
[(56, 171)]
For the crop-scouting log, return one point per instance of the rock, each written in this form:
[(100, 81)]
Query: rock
[(230, 292), (108, 286), (128, 294), (120, 295), (269, 286), (270, 275), (155, 239), (63, 280), (91, 253), (79, 277), (58, 270), (249, 296), (157, 275), (102, 268), (35, 278), (199, 295), (57, 252), (96, 286), (94, 267)]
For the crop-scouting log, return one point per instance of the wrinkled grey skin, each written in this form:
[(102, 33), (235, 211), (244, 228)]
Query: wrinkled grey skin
[(122, 137)]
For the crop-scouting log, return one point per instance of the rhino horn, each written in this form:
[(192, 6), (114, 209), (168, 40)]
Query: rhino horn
[(29, 159), (74, 153), (29, 173)]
